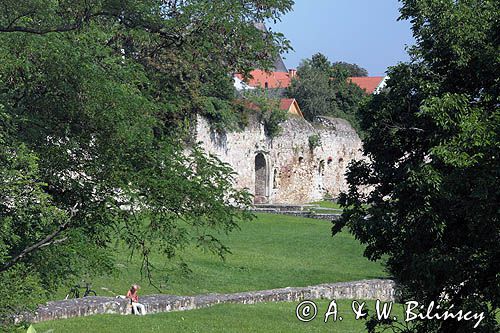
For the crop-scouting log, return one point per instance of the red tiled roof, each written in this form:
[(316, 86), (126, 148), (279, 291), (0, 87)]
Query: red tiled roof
[(367, 83), (285, 103), (273, 79), (259, 78)]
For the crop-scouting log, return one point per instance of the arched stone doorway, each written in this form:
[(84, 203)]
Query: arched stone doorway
[(261, 179)]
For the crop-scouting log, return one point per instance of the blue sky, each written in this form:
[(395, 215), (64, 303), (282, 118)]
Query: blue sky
[(364, 32)]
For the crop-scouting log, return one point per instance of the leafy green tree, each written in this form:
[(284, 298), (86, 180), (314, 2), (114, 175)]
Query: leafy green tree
[(432, 167), (266, 108), (97, 98), (322, 89), (351, 69), (320, 62)]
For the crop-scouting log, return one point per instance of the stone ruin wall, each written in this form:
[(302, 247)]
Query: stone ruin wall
[(284, 169), (383, 290)]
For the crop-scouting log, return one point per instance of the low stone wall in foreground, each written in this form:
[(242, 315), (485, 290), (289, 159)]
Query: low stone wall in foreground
[(383, 290)]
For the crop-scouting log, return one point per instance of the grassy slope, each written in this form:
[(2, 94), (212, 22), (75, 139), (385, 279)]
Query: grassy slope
[(263, 317), (273, 251)]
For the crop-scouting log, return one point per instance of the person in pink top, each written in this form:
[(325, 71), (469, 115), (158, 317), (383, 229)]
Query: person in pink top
[(138, 308)]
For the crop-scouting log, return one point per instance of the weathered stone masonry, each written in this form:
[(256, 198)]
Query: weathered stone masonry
[(383, 290), (285, 169)]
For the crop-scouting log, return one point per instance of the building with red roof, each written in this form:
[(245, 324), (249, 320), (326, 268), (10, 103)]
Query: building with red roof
[(285, 104), (269, 80), (282, 80), (291, 106), (370, 84)]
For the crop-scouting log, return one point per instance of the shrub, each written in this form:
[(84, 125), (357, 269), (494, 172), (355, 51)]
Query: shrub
[(314, 141)]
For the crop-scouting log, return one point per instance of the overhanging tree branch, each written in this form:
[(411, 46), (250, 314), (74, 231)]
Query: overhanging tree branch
[(44, 31), (48, 240), (86, 18)]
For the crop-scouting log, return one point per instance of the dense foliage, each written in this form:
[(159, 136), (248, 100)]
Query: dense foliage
[(432, 166), (96, 100), (314, 141), (323, 89), (260, 104), (350, 69), (266, 107)]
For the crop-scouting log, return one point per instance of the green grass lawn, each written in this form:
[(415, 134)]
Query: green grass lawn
[(262, 317), (328, 204), (273, 251), (326, 207)]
